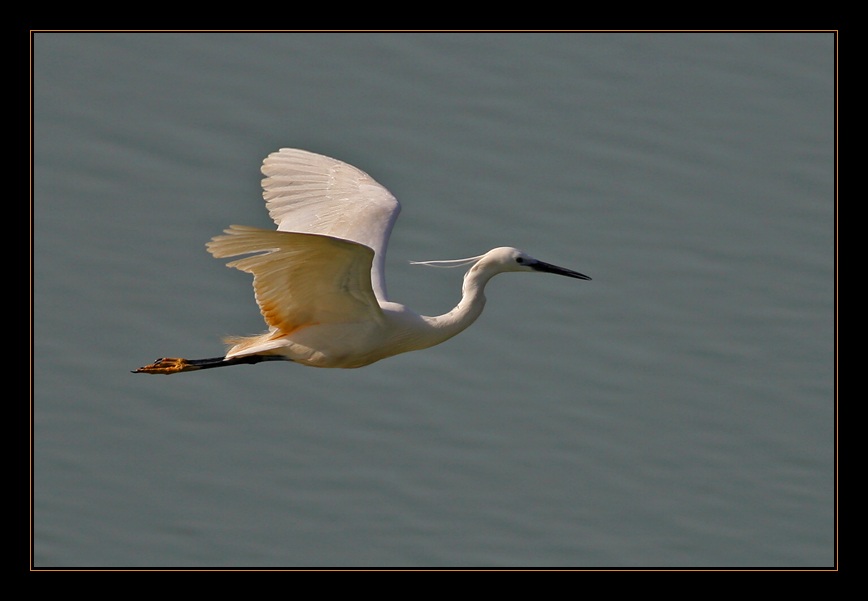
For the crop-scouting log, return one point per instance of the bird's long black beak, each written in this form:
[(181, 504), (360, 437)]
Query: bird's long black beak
[(549, 268)]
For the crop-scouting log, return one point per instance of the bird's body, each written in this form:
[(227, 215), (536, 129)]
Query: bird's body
[(349, 345), (320, 278)]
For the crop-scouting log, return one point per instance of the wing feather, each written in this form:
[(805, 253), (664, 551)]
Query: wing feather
[(302, 279), (311, 193)]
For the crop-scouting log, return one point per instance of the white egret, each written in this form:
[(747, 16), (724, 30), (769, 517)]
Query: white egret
[(320, 279)]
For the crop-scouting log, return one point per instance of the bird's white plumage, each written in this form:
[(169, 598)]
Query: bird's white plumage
[(302, 279), (316, 194), (320, 279)]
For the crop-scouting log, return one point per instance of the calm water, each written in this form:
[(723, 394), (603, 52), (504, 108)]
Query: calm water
[(678, 410)]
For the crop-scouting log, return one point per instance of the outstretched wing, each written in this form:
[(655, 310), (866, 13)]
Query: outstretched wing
[(302, 279), (315, 194)]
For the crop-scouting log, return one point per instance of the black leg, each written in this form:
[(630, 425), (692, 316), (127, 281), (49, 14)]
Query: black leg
[(222, 362), (172, 365)]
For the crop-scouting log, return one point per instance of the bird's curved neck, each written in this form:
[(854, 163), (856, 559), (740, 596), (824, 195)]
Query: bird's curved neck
[(468, 309)]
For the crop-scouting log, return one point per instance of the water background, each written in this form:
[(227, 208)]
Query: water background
[(675, 411)]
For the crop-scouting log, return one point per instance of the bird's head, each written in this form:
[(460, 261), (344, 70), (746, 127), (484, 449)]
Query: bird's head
[(506, 258), (503, 259)]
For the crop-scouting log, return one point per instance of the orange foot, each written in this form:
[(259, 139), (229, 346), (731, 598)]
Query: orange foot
[(166, 366)]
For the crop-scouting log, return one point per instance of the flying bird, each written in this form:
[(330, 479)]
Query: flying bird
[(319, 279)]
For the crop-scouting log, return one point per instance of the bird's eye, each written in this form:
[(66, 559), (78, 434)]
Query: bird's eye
[(519, 260)]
